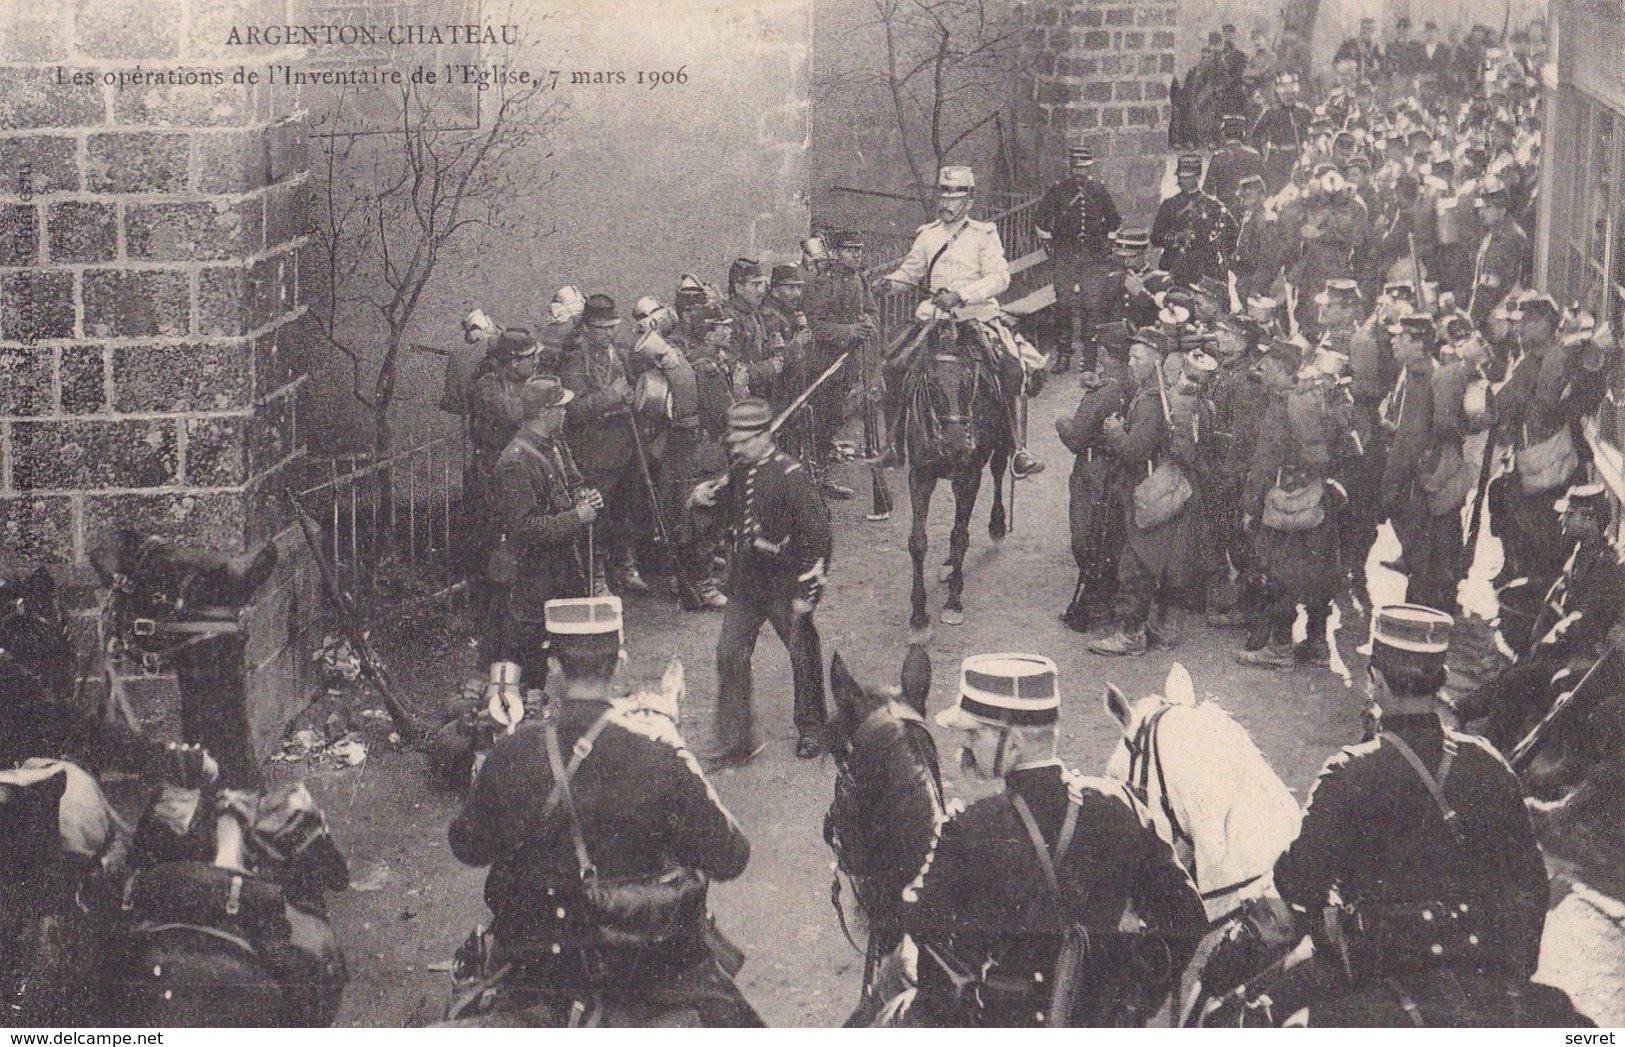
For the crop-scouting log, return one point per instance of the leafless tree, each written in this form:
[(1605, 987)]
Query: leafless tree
[(946, 67), (390, 203)]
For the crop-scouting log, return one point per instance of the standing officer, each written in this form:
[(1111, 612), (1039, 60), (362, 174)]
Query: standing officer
[(1233, 161), (1009, 875), (1074, 222), (1416, 824), (1096, 522), (544, 511), (1503, 254), (494, 415), (637, 805), (599, 431), (843, 318), (1130, 301), (1195, 231), (781, 554), (1281, 131)]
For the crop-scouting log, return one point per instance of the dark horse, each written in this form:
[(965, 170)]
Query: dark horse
[(956, 424), (888, 799)]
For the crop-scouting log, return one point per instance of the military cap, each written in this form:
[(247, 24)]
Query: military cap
[(1004, 690), (691, 292), (1457, 327), (1149, 337), (1137, 239), (600, 312), (1252, 181), (1343, 137), (1536, 300), (1491, 193), (1198, 366), (1410, 635), (1114, 339), (743, 270), (749, 417), (646, 307), (514, 343), (955, 181), (1080, 156), (1341, 290), (846, 240), (787, 274), (1286, 76), (1417, 325), (584, 625), (1189, 164), (1399, 289), (543, 393)]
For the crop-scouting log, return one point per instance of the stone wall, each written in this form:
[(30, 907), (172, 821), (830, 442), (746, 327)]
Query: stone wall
[(148, 376), (1098, 74)]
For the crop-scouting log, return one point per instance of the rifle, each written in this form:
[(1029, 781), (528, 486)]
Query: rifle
[(686, 589), (879, 490), (1416, 272), (372, 667), (1476, 521), (1525, 750)]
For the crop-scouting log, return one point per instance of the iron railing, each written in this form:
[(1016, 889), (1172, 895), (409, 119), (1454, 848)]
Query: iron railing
[(390, 524)]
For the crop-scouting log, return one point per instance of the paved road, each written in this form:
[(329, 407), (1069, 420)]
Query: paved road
[(800, 970)]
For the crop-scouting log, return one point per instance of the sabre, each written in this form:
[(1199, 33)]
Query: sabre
[(806, 394)]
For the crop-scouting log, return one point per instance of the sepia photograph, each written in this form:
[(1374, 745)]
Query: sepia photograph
[(812, 514)]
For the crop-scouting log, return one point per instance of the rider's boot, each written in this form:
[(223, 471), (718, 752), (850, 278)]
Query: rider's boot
[(1023, 464)]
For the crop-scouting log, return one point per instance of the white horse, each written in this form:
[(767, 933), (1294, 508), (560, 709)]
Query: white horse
[(1211, 794)]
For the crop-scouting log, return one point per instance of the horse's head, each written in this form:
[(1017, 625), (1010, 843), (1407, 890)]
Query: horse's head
[(290, 833), (34, 631), (1135, 717), (950, 411), (156, 581), (888, 789)]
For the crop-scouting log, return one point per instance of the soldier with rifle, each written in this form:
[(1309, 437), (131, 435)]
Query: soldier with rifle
[(842, 312)]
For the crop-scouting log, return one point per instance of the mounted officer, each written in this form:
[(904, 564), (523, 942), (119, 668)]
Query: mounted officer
[(1196, 232), (1416, 851), (1074, 223), (781, 555), (960, 263), (590, 804), (1013, 874), (545, 509)]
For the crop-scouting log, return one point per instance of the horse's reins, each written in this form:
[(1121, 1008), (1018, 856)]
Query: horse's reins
[(1144, 752)]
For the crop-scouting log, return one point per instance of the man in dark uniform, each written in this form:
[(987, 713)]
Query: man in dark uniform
[(1255, 263), (1281, 131), (599, 431), (1130, 301), (789, 335), (1096, 522), (1503, 254), (753, 353), (700, 528), (494, 415), (1414, 824), (1195, 231), (989, 913), (1233, 161), (843, 317), (1364, 49), (637, 805), (1074, 222), (1236, 401), (781, 554), (544, 511)]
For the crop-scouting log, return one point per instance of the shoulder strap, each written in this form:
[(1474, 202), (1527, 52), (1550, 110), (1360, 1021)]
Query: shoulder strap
[(562, 774), (931, 266), (1435, 785), (1046, 860)]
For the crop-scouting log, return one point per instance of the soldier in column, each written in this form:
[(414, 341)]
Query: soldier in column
[(1096, 522), (1196, 232), (1074, 221), (545, 511), (781, 556), (757, 363), (1255, 263), (1281, 132), (1502, 261), (594, 369), (789, 334), (1236, 401), (844, 319), (701, 528), (987, 910)]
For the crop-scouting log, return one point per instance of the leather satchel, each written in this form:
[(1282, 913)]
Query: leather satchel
[(641, 911), (1297, 510), (1161, 496), (1450, 480), (1545, 465)]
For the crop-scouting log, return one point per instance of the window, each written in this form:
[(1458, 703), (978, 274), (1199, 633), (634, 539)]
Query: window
[(1587, 255)]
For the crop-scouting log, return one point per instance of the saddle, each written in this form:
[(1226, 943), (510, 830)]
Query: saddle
[(235, 907)]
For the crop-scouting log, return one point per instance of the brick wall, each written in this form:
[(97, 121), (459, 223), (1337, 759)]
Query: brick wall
[(1097, 72), (148, 374)]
